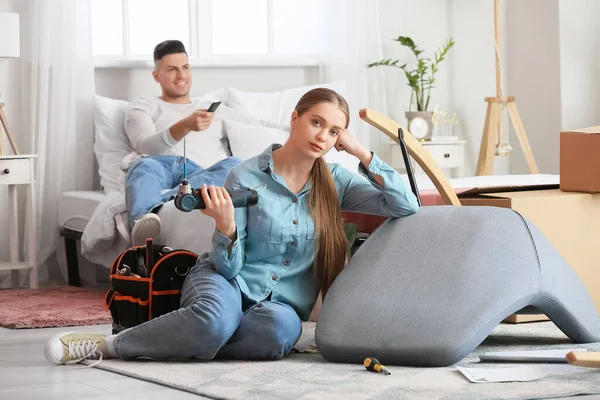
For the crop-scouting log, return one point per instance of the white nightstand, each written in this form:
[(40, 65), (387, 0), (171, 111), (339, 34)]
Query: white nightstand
[(18, 170), (448, 154)]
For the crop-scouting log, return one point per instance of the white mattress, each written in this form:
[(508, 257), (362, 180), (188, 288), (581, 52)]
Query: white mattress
[(76, 208)]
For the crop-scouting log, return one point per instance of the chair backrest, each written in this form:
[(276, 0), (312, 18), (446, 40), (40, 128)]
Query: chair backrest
[(416, 151)]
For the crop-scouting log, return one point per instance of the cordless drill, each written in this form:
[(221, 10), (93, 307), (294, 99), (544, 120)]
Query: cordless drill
[(189, 199)]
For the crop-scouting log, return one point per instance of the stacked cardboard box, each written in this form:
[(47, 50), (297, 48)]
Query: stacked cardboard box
[(580, 160)]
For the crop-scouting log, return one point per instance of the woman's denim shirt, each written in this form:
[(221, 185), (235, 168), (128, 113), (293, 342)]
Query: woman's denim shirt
[(275, 245)]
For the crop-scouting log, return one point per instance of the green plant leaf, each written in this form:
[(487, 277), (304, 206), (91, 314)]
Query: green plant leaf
[(406, 41), (387, 63), (421, 78)]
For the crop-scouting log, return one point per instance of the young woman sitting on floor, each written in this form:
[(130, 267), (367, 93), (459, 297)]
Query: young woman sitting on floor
[(246, 299)]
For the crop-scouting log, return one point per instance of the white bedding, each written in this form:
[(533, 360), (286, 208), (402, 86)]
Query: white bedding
[(77, 207), (107, 233)]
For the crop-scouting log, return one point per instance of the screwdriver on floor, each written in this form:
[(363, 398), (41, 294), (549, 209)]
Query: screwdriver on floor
[(372, 364)]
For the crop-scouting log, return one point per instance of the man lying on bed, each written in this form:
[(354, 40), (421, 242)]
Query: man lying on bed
[(156, 127)]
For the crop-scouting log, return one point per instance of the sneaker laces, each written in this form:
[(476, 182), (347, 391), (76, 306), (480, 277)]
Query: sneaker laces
[(79, 350)]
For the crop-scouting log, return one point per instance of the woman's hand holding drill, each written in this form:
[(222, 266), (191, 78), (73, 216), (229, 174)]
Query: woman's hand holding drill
[(220, 207)]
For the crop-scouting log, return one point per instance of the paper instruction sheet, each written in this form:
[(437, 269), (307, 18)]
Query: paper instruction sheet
[(525, 373)]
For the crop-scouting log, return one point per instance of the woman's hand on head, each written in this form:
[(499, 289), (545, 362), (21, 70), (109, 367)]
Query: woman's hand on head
[(220, 207), (348, 143)]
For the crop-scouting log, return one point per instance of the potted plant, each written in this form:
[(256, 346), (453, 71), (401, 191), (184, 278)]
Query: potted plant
[(421, 80)]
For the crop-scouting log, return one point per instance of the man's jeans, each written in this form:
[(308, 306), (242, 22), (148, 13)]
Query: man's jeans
[(215, 321), (149, 176)]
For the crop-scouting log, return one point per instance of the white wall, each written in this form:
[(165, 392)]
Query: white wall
[(473, 72), (534, 79), (426, 22), (430, 33), (554, 73), (549, 52), (465, 78), (579, 62), (127, 84)]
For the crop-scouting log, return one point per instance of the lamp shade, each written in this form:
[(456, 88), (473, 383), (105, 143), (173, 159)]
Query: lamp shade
[(9, 35)]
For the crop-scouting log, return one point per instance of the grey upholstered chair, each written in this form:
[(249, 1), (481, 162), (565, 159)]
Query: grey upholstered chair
[(427, 289)]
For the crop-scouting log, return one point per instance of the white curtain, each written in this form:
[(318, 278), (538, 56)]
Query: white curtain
[(58, 88), (354, 40)]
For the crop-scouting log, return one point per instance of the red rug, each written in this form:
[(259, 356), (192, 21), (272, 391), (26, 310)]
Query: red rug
[(51, 307)]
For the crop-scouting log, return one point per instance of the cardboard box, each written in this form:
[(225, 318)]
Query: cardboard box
[(570, 221), (472, 186), (579, 161)]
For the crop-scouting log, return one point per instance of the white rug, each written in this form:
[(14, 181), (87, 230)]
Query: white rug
[(309, 376)]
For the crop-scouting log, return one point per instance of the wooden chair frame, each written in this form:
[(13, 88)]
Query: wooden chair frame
[(416, 151)]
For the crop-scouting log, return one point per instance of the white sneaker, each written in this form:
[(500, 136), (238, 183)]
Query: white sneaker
[(73, 347), (146, 227)]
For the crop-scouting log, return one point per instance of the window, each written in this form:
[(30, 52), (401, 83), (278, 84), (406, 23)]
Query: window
[(129, 29), (152, 21), (107, 41), (300, 28), (240, 27)]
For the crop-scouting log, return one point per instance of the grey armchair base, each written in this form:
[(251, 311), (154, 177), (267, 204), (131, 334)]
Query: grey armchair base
[(427, 289)]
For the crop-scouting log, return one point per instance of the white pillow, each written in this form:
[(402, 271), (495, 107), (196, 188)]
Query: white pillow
[(247, 141), (216, 95), (276, 107), (110, 141)]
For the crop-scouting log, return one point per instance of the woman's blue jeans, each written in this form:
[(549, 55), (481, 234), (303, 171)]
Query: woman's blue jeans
[(215, 321)]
